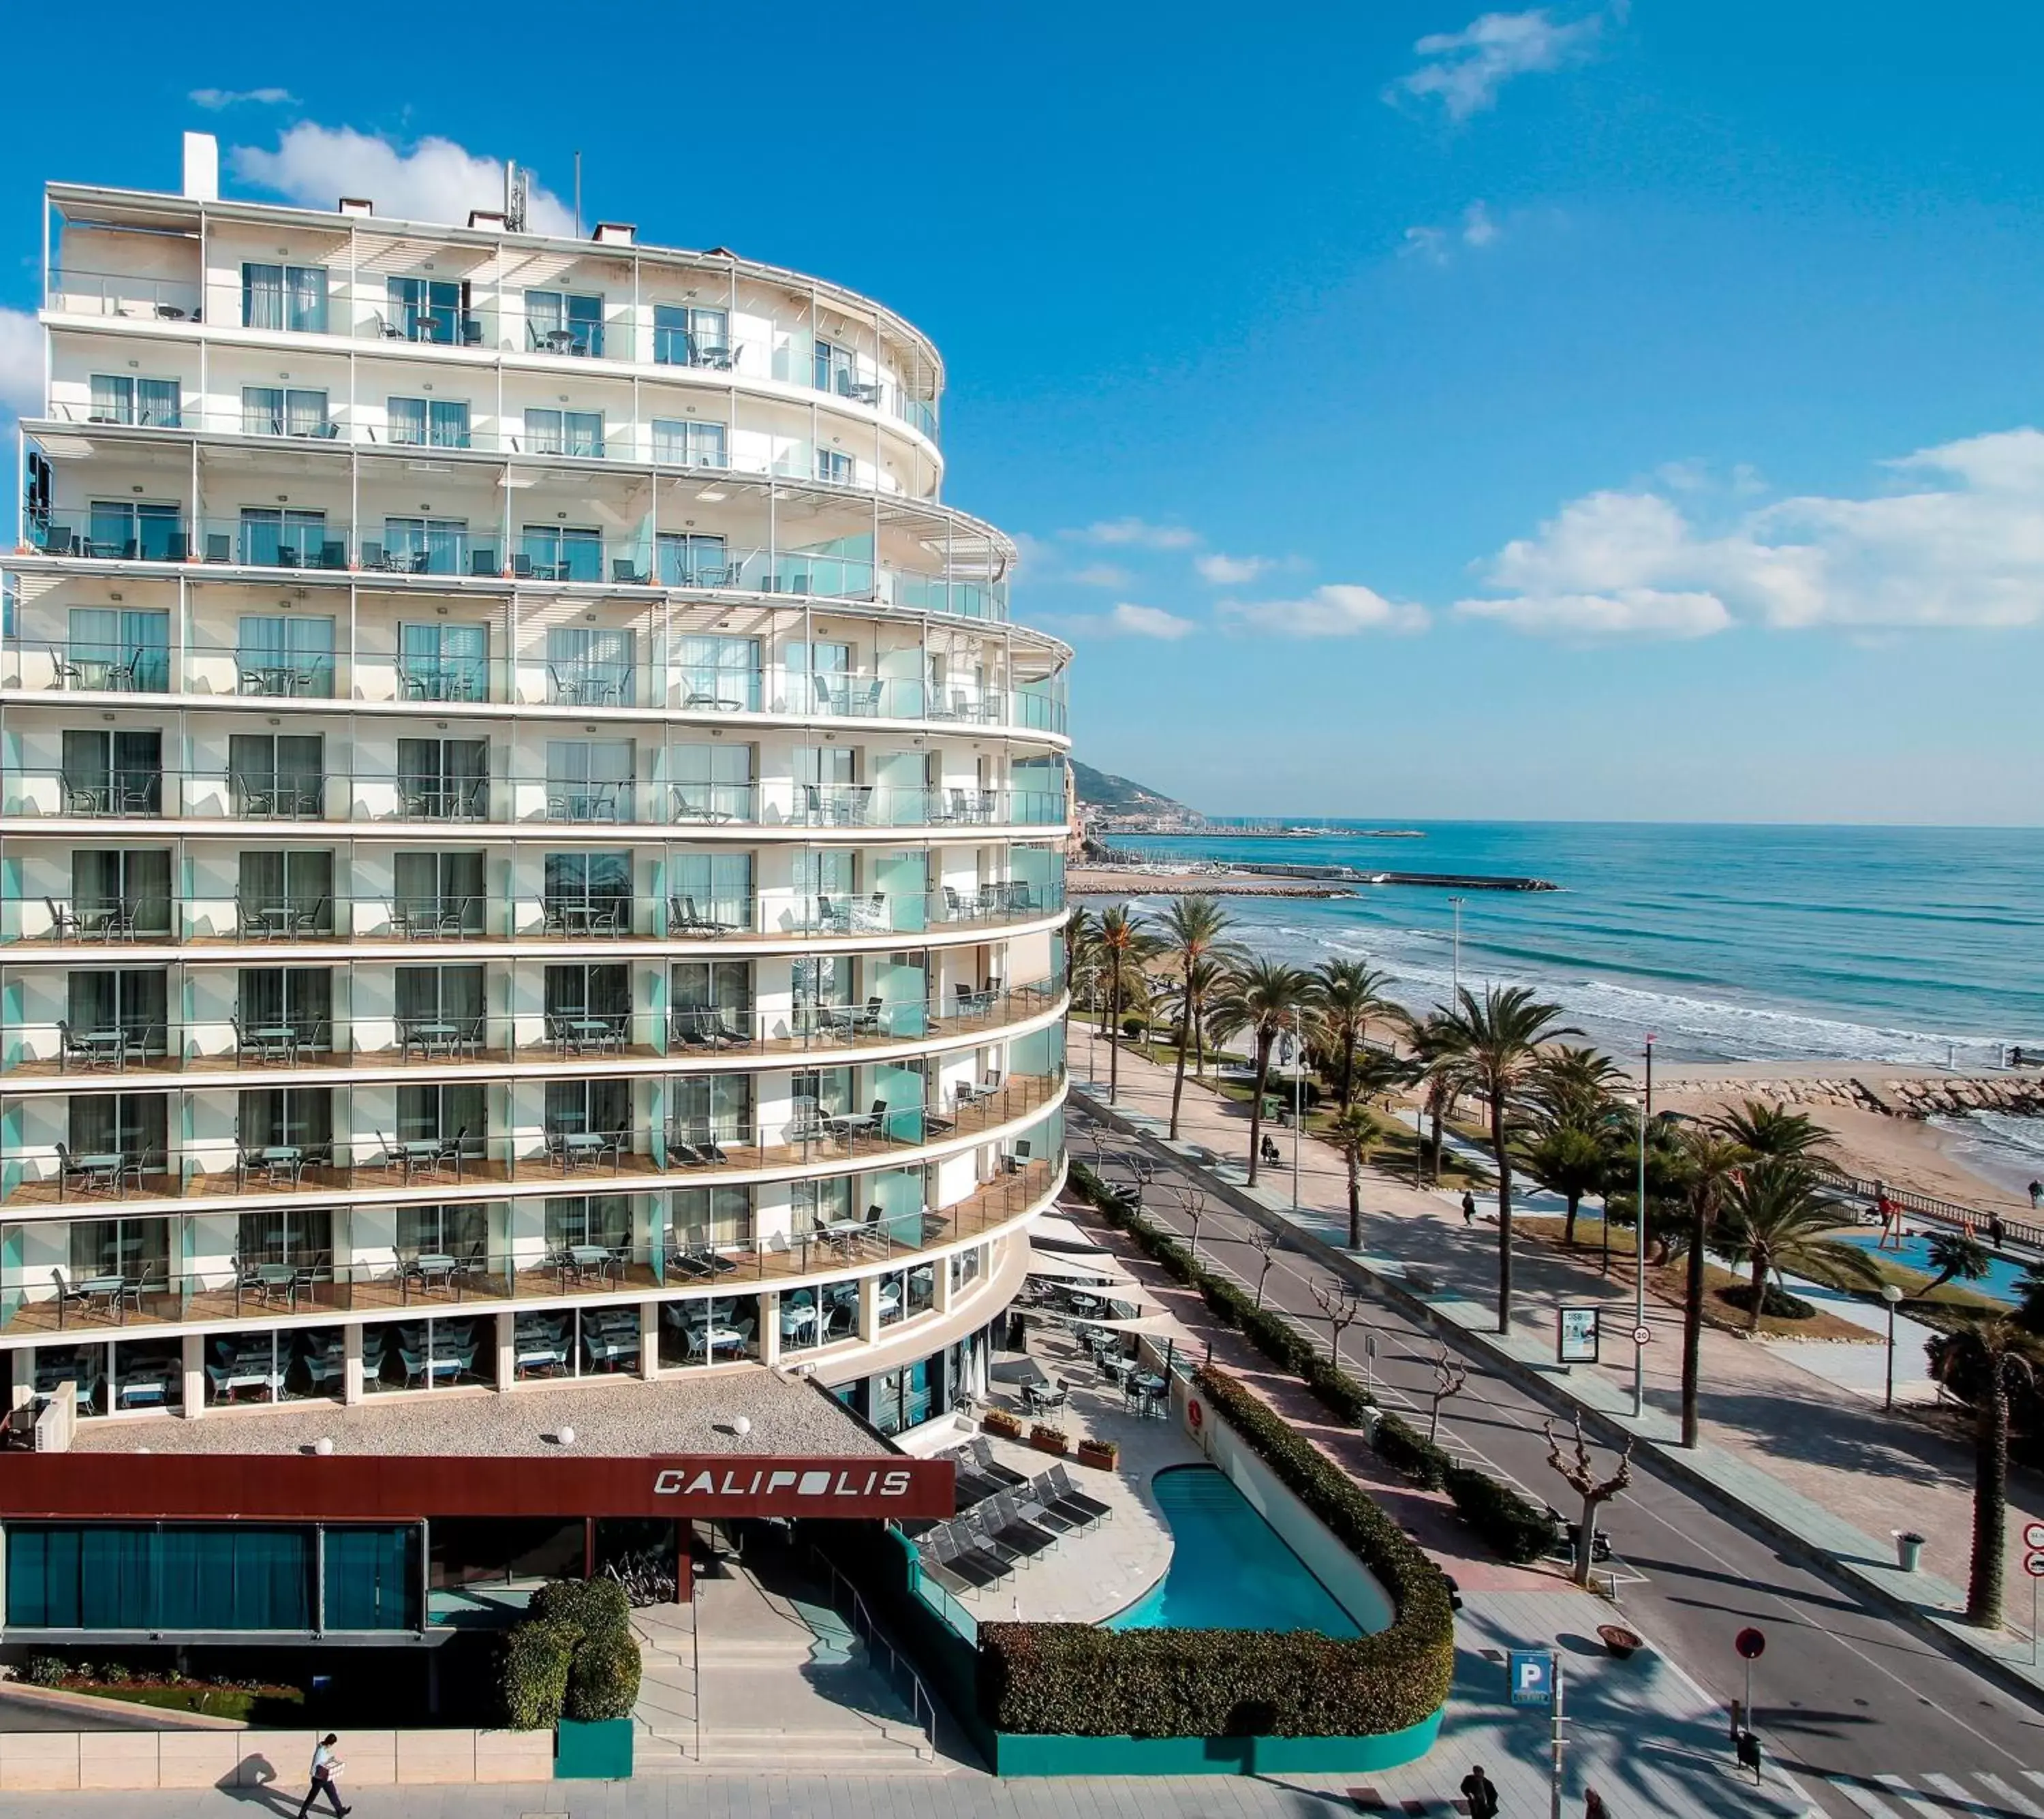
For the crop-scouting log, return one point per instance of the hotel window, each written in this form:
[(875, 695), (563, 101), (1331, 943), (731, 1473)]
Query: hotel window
[(300, 883), (550, 431), (443, 1114), (720, 884), (712, 1218), (427, 423), (136, 1249), (438, 995), (711, 1108), (278, 410), (135, 883), (712, 782), (679, 441), (561, 322), (277, 776), (589, 779), (427, 546), (559, 552), (134, 1000), (273, 539), (461, 1232), (113, 772), (302, 1236), (575, 1106), (135, 1125), (590, 665), (588, 881), (690, 561), (720, 672), (128, 530), (600, 1219), (834, 466), (119, 397), (127, 649), (710, 1001), (440, 890), (443, 780), (430, 310), (437, 661), (685, 336), (292, 296), (836, 369), (298, 1118), (300, 998), (577, 989), (286, 654)]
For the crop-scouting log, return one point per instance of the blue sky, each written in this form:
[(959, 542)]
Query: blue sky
[(1406, 410)]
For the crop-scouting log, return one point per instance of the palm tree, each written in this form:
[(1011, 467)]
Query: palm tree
[(1775, 1132), (1355, 1135), (1351, 993), (1126, 947), (1191, 998), (1191, 933), (1573, 1083), (1266, 998), (1774, 1218), (1428, 1041), (1571, 1159), (1989, 1360), (1710, 1164), (1080, 935), (2030, 1298), (1957, 1254), (1490, 1046)]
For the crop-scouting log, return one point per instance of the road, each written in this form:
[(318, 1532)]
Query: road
[(1841, 1690)]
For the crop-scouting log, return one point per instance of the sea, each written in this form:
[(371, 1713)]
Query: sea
[(1920, 945)]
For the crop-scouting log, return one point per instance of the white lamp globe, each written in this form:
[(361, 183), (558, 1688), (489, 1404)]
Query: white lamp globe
[(742, 1426)]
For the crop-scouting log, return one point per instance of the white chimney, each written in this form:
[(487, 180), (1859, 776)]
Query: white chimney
[(614, 233), (201, 168), (355, 206)]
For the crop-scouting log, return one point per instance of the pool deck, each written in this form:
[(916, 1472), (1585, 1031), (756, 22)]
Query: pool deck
[(1087, 1578)]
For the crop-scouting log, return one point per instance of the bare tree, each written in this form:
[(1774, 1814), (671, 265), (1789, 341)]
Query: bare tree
[(1580, 1475), (1451, 1378), (1194, 1200), (1342, 1306), (1266, 1246)]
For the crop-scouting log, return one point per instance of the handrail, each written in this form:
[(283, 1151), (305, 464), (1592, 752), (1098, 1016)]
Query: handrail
[(919, 1698), (1928, 1205)]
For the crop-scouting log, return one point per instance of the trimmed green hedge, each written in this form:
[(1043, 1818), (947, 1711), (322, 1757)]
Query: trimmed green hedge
[(1404, 1448), (573, 1656), (1520, 1531), (1071, 1679)]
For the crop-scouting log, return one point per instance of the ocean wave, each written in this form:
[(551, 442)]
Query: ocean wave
[(2007, 1149)]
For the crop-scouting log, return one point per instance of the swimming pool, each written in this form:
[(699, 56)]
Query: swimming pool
[(2002, 1281), (1230, 1569)]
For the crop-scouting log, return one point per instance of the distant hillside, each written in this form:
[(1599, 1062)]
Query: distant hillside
[(1117, 795)]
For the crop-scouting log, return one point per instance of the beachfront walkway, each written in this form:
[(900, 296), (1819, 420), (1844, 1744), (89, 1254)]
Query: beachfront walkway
[(1801, 1427)]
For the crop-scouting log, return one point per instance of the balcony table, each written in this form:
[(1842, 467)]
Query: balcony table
[(797, 1317), (427, 1038), (421, 1153), (278, 1039), (850, 1124), (704, 1340), (270, 1280), (106, 1166), (274, 1159), (110, 1291), (107, 1046), (598, 1032), (697, 699), (430, 1269), (583, 1261)]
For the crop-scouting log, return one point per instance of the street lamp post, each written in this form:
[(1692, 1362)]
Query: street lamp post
[(1891, 1294), (1092, 973), (1458, 988), (1639, 1249), (1298, 1100)]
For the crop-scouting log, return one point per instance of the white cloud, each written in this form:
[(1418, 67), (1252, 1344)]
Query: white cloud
[(1464, 70), (1339, 610), (1147, 622), (1429, 244), (1231, 571), (1101, 574), (20, 363), (436, 180), (1477, 229), (1135, 533), (1962, 546), (214, 99)]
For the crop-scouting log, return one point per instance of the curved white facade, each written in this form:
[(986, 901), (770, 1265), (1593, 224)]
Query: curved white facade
[(530, 847)]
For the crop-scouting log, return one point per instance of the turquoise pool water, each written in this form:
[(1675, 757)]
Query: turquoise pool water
[(1230, 1569), (2002, 1280)]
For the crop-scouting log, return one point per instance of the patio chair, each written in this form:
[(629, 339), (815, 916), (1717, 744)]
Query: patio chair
[(981, 1450), (63, 672), (70, 1047), (69, 1294), (687, 809), (999, 1516), (1069, 1495), (684, 918), (63, 923)]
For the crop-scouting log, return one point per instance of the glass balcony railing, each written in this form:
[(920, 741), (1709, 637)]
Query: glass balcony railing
[(97, 923)]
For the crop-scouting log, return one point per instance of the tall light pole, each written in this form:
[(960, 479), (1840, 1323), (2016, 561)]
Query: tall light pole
[(1639, 1248), (1891, 1294), (1092, 973), (1298, 1113), (1457, 902)]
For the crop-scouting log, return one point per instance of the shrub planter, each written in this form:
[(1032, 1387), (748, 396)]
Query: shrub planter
[(1620, 1640), (1048, 1439), (1100, 1454), (999, 1421), (601, 1750)]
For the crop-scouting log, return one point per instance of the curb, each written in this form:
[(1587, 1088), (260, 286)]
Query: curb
[(1934, 1626)]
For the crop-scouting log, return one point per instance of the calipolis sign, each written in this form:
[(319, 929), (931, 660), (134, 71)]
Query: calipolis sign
[(342, 1487)]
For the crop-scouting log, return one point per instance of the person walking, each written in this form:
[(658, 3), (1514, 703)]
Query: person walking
[(1593, 1806), (1469, 1207), (326, 1768), (1481, 1794), (1994, 1230), (2036, 1195)]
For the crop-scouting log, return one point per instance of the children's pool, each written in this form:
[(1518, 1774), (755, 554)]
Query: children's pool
[(2001, 1280), (1230, 1569)]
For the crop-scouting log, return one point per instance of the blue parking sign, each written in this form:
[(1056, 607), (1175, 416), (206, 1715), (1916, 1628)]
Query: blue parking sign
[(1531, 1672)]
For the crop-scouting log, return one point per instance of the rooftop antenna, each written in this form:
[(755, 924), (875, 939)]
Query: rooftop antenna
[(517, 186), (578, 212)]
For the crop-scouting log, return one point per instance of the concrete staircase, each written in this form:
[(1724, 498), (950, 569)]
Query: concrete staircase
[(784, 1686)]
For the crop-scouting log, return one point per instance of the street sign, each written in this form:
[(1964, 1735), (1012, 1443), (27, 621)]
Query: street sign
[(1576, 1331), (2033, 1564), (2033, 1534), (1642, 1335), (1750, 1645), (1529, 1674)]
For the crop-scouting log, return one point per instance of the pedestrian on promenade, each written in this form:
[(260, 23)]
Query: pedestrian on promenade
[(1469, 1207), (326, 1768), (1482, 1793), (1994, 1230), (1593, 1806), (2036, 1195)]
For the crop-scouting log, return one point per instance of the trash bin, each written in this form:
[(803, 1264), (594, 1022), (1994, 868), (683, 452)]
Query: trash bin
[(1909, 1549)]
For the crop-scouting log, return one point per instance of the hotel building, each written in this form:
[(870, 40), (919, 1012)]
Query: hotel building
[(531, 849)]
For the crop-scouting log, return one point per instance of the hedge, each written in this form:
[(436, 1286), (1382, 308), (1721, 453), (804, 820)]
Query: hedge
[(1403, 1447), (1071, 1679), (533, 1680), (1520, 1530), (573, 1655)]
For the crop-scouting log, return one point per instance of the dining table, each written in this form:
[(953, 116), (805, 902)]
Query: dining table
[(427, 1038), (431, 1269), (598, 1032), (106, 1167), (107, 1047), (797, 1318), (708, 1340), (584, 1261), (111, 1292)]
